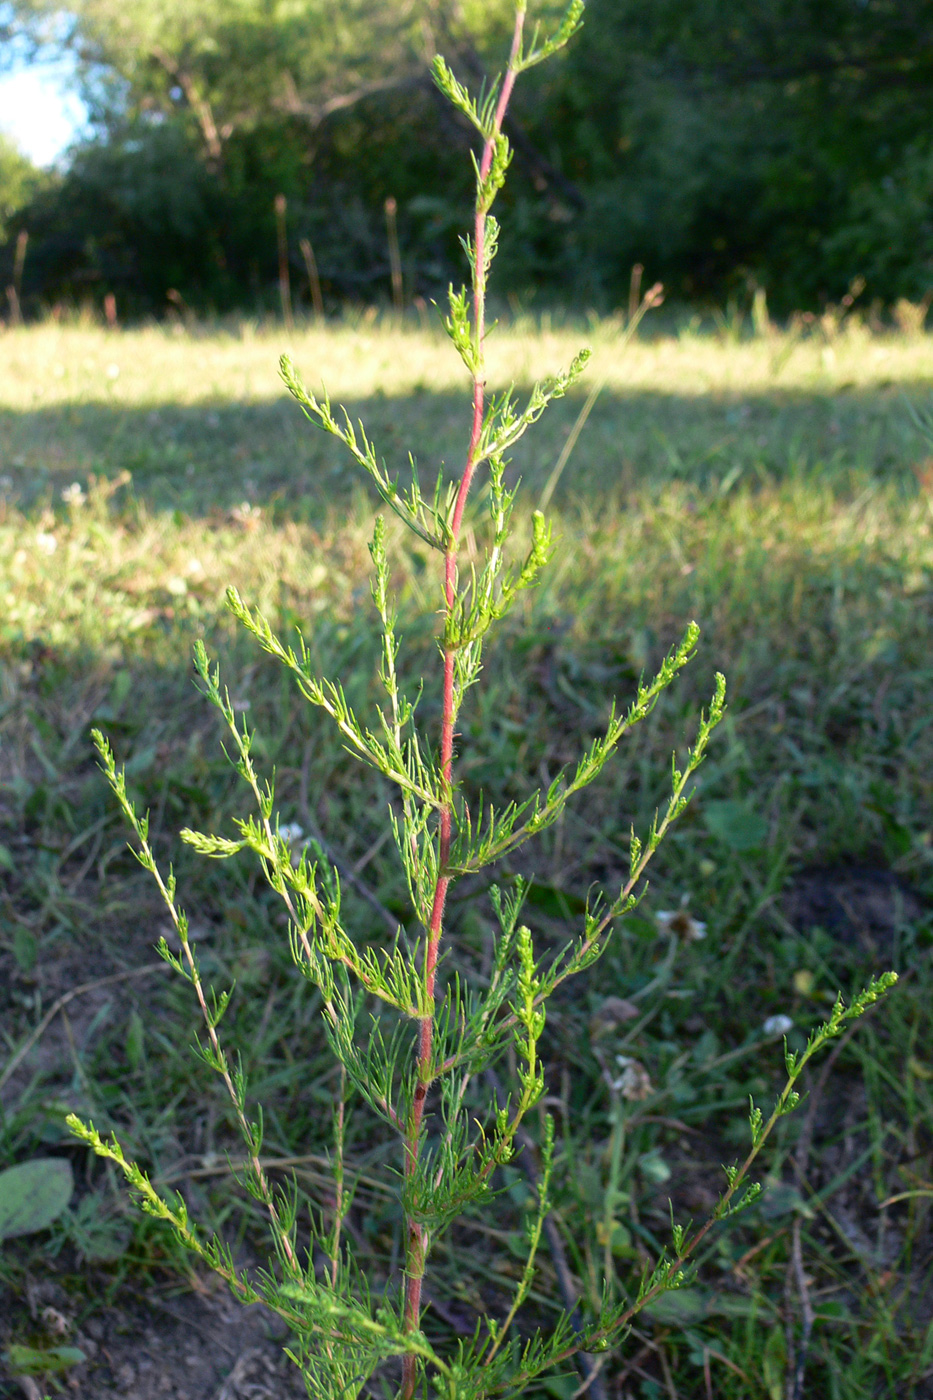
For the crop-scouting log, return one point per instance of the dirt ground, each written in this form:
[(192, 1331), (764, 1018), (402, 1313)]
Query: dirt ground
[(862, 906), (160, 1347)]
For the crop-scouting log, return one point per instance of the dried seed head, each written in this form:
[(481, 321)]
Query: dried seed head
[(610, 1014), (634, 1082)]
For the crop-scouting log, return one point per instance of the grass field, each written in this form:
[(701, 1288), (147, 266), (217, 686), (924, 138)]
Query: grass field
[(774, 488)]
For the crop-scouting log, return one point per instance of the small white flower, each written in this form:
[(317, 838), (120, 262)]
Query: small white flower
[(74, 495), (681, 922), (46, 542), (294, 835), (777, 1025), (291, 832)]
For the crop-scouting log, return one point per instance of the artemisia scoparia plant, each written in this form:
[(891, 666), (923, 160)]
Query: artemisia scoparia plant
[(410, 1040)]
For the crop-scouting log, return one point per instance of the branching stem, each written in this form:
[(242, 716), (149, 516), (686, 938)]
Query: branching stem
[(416, 1236)]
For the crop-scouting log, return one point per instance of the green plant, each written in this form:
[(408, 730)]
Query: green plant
[(410, 1036)]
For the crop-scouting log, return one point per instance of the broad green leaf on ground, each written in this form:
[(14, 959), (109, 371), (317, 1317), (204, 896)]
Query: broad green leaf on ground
[(30, 1361), (736, 825), (33, 1194)]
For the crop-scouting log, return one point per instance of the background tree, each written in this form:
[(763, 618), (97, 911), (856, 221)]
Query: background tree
[(19, 181), (786, 146), (721, 142)]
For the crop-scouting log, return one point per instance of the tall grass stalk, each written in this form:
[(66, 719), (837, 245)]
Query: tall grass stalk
[(411, 1035), (285, 287), (314, 280), (395, 256)]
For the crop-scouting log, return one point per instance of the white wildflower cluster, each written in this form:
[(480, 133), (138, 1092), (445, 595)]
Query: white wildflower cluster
[(246, 515), (74, 495)]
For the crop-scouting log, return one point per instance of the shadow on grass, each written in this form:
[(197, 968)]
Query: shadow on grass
[(210, 456)]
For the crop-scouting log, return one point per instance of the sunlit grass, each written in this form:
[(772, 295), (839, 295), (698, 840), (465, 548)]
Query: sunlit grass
[(198, 413)]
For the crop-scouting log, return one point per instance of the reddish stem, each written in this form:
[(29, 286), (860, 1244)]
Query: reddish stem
[(416, 1241)]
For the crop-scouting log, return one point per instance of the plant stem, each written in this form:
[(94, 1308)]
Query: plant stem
[(416, 1237)]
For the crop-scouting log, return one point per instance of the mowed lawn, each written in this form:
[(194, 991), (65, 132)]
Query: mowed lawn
[(777, 490)]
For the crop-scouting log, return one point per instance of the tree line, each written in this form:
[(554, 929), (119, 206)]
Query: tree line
[(245, 148)]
